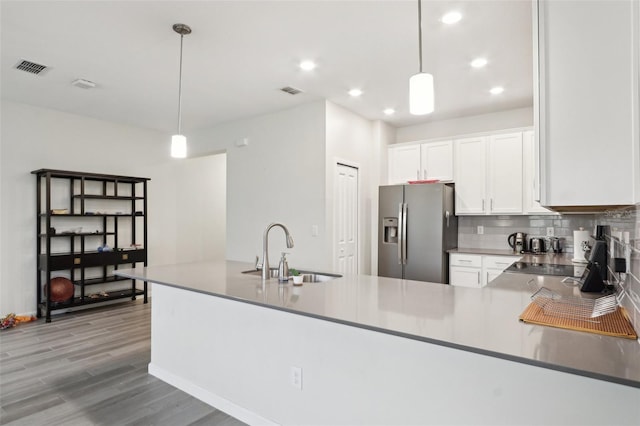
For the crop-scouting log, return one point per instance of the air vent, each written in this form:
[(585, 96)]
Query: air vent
[(291, 90), (30, 67)]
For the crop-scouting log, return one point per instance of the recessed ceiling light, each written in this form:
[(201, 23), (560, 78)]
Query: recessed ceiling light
[(307, 65), (355, 92), (496, 90), (479, 62), (451, 17), (389, 111)]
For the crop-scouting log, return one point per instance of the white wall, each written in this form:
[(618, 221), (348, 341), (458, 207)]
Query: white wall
[(352, 140), (277, 177), (383, 136), (514, 118), (201, 192), (34, 138), (285, 174)]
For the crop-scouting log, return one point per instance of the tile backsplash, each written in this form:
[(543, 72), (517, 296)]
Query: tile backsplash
[(498, 228), (623, 239), (624, 242)]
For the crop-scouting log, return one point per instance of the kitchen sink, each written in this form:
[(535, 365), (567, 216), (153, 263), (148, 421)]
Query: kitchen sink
[(307, 276)]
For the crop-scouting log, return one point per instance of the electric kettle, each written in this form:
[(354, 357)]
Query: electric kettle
[(518, 242)]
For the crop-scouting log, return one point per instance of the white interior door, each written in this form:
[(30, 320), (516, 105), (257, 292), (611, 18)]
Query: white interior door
[(346, 220)]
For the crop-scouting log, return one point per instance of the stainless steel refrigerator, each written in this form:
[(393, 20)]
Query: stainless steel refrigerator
[(417, 227)]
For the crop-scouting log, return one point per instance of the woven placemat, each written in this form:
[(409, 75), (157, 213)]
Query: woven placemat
[(614, 324)]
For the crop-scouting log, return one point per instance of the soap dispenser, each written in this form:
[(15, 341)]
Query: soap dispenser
[(283, 269)]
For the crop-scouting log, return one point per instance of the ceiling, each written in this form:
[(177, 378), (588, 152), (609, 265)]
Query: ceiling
[(241, 53)]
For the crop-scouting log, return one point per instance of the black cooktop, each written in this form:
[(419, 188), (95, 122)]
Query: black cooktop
[(545, 269)]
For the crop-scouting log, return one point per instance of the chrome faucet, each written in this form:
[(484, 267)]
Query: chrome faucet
[(265, 248)]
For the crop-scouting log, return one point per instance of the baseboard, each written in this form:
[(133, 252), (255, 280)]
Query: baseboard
[(207, 397)]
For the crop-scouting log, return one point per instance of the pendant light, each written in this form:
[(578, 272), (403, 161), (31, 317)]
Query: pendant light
[(421, 97), (179, 141)]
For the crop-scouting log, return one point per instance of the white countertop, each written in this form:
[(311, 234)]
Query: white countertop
[(478, 320)]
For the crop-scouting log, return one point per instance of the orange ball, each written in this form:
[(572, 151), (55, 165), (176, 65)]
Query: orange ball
[(61, 289)]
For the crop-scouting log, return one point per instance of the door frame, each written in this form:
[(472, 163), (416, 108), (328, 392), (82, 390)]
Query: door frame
[(347, 163)]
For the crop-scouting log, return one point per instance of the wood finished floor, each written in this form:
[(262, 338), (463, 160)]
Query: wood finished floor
[(90, 368)]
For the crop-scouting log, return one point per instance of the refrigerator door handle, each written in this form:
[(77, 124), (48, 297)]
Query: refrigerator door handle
[(404, 233), (400, 236), (447, 215)]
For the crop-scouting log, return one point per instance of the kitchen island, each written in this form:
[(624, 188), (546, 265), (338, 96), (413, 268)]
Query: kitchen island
[(373, 350)]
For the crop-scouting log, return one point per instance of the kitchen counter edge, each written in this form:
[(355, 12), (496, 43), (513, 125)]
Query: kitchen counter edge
[(175, 276)]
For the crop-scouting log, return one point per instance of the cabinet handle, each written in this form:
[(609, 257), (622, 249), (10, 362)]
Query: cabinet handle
[(492, 204), (482, 205), (464, 260), (418, 174), (479, 283), (425, 173)]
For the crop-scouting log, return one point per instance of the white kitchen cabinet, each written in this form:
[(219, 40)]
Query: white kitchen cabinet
[(419, 161), (488, 175), (505, 174), (587, 100), (437, 160), (471, 175), (476, 270), (492, 266), (531, 193), (404, 163), (465, 270)]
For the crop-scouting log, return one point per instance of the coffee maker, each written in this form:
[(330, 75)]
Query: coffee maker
[(518, 242)]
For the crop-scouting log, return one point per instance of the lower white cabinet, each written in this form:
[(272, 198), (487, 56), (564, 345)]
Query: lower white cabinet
[(476, 270), (465, 270), (492, 266)]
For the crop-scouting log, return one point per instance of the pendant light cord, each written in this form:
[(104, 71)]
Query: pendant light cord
[(420, 32), (180, 89)]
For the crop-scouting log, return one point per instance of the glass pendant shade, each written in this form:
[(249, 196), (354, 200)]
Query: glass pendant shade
[(421, 97), (178, 146)]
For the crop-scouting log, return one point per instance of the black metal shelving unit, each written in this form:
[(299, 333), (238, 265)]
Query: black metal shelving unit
[(77, 191)]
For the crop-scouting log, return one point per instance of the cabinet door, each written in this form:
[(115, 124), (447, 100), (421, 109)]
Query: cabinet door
[(470, 175), (490, 275), (499, 263), (505, 174), (437, 160), (464, 277), (404, 163), (531, 178), (588, 101)]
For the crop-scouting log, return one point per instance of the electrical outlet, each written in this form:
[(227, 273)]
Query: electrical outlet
[(314, 230), (480, 230), (550, 231), (296, 377)]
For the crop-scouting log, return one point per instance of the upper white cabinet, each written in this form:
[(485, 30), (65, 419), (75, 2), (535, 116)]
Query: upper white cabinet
[(471, 175), (531, 189), (505, 174), (420, 161), (404, 163), (587, 101), (488, 174), (437, 160)]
